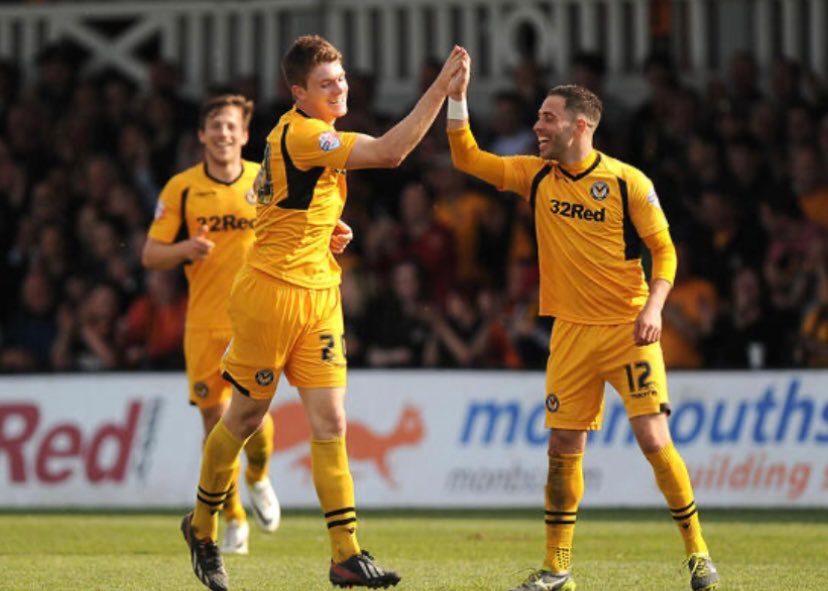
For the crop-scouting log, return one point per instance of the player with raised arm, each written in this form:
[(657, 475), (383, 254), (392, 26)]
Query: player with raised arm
[(285, 305), (204, 220), (592, 213)]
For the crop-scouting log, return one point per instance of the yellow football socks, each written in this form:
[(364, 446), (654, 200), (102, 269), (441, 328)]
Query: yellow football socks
[(233, 509), (218, 463), (258, 450), (335, 489), (564, 490), (674, 481)]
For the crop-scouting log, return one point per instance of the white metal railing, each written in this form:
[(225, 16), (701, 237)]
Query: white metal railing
[(220, 41)]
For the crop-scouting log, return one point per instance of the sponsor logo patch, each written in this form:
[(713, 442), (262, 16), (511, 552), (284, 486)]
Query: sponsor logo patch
[(160, 208), (552, 403), (329, 141), (201, 390), (652, 199), (599, 190), (264, 377)]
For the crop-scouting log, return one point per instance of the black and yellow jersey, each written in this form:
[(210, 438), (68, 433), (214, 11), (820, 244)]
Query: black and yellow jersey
[(301, 192), (192, 199)]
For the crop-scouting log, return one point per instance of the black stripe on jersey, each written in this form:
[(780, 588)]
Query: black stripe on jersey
[(300, 184), (228, 378), (536, 182), (580, 175), (632, 242), (183, 230)]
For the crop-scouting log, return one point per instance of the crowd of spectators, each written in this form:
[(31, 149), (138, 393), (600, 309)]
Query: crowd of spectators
[(442, 271)]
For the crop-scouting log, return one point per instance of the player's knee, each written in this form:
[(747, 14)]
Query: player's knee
[(329, 426)]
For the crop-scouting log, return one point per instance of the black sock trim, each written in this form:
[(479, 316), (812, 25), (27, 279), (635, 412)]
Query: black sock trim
[(685, 516), (339, 512), (341, 522), (561, 512), (211, 503), (207, 493), (559, 521), (683, 509)]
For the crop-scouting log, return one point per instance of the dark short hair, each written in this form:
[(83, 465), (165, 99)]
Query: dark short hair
[(307, 52), (579, 101), (215, 103)]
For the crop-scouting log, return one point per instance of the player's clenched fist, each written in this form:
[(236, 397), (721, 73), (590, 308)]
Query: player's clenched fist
[(199, 246), (342, 236)]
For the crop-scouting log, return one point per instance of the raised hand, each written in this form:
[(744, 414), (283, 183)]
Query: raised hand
[(452, 65), (459, 82)]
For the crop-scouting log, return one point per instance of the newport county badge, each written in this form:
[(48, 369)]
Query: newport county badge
[(599, 190), (552, 403), (250, 197), (264, 377), (201, 390)]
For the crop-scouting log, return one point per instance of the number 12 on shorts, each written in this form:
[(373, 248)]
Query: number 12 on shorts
[(638, 374)]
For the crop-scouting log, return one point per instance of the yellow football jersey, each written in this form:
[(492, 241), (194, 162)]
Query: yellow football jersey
[(589, 220), (192, 199), (301, 193)]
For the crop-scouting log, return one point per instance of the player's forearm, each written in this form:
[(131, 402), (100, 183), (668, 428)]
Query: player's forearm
[(162, 257), (659, 290), (664, 257), (398, 141), (467, 156)]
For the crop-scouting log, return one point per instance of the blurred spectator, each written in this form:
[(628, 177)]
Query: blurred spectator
[(397, 331), (86, 340), (813, 335), (32, 328), (427, 241), (688, 314), (510, 134), (460, 336), (746, 336), (152, 336), (809, 184)]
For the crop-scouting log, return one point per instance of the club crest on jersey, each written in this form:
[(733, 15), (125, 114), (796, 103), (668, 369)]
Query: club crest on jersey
[(201, 390), (329, 141), (264, 377), (552, 403), (599, 190), (250, 197)]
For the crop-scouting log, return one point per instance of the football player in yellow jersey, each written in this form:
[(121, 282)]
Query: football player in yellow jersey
[(205, 219), (592, 214), (285, 305)]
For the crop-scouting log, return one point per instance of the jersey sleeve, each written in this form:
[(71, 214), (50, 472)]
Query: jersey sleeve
[(512, 173), (645, 208), (168, 217), (313, 143), (519, 173)]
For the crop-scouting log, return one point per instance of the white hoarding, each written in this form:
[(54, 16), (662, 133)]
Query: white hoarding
[(416, 439)]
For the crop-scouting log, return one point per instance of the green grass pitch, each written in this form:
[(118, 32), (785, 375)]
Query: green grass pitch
[(435, 550)]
